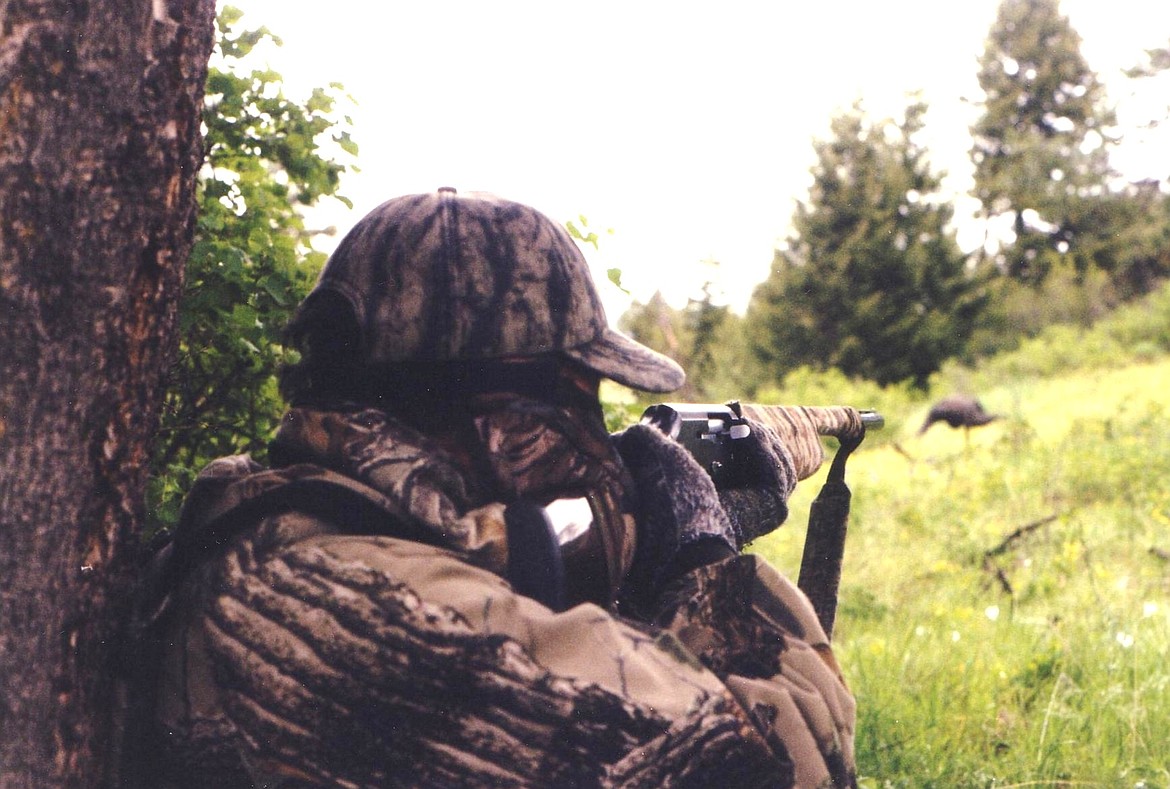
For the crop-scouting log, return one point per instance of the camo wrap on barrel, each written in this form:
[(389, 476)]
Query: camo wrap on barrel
[(801, 427)]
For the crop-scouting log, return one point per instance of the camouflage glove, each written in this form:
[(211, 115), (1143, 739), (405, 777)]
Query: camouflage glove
[(681, 523), (755, 492)]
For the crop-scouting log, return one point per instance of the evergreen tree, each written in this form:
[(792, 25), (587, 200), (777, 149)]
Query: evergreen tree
[(656, 325), (1041, 147), (1145, 243), (694, 336), (704, 318), (873, 282)]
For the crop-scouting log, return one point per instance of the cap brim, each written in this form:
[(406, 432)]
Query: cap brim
[(616, 356)]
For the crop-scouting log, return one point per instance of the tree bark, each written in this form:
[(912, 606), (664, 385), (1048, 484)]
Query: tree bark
[(99, 148)]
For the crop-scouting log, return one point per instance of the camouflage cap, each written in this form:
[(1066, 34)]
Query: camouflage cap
[(445, 276)]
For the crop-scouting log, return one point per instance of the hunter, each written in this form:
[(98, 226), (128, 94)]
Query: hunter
[(450, 574)]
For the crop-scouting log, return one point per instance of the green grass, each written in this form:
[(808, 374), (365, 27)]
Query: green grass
[(1005, 601)]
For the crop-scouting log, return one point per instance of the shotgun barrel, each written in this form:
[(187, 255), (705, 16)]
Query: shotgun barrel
[(709, 431)]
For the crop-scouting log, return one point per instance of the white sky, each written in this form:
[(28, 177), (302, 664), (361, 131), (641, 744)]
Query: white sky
[(684, 127)]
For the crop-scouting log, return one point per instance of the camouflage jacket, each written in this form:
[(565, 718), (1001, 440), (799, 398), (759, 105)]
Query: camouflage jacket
[(343, 621)]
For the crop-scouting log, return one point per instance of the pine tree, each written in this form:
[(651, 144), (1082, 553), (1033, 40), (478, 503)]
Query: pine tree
[(873, 282), (695, 336), (1041, 147), (705, 318), (656, 325)]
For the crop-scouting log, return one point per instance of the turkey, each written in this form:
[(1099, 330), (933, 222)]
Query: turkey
[(957, 411)]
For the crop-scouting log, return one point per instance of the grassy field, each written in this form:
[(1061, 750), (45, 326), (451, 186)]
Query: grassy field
[(1005, 616)]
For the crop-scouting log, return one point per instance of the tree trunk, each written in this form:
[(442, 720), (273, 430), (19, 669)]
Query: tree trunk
[(99, 147)]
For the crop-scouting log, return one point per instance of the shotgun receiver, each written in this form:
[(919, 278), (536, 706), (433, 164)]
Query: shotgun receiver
[(710, 434)]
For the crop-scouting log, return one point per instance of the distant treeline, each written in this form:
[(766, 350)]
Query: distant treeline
[(872, 282)]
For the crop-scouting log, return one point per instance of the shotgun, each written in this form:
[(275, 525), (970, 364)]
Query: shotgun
[(710, 433)]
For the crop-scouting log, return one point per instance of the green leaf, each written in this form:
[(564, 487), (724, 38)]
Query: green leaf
[(229, 15), (347, 143), (252, 259)]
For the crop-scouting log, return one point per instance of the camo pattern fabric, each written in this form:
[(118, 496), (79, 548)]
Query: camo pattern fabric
[(451, 277), (757, 631), (366, 638)]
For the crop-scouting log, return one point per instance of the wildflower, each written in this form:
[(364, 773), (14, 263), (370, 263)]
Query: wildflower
[(991, 612), (1149, 608), (1125, 639)]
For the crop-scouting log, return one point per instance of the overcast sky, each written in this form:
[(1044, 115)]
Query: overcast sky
[(684, 127)]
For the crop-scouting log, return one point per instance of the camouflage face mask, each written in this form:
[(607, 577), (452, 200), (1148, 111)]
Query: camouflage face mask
[(541, 451)]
